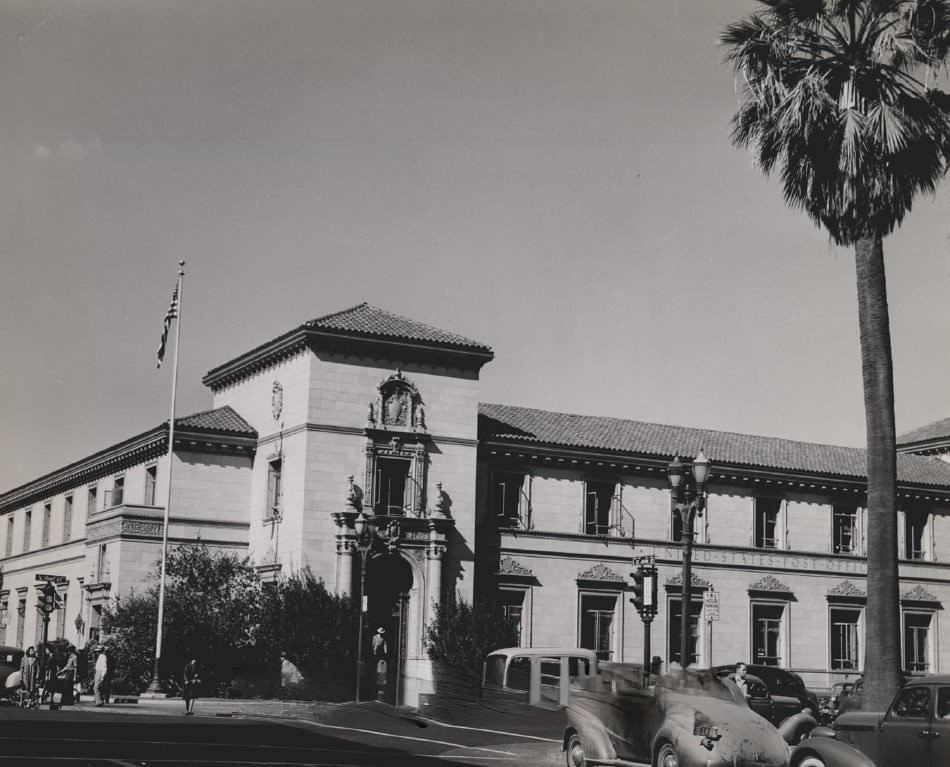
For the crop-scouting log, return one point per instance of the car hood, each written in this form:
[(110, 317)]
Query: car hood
[(858, 720), (746, 738)]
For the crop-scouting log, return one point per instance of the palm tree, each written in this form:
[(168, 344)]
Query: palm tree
[(836, 95)]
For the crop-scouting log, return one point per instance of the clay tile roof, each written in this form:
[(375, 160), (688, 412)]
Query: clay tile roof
[(504, 422), (220, 419), (935, 430), (371, 320)]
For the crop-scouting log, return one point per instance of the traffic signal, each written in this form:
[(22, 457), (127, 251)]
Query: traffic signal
[(643, 586), (48, 601), (637, 585)]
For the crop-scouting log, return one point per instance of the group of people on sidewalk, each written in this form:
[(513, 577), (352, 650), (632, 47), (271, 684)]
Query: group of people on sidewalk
[(44, 681)]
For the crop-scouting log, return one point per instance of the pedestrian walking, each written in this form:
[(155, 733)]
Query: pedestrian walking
[(100, 680), (66, 676), (29, 677), (190, 681), (49, 679)]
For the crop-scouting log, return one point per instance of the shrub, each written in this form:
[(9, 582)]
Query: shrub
[(462, 634)]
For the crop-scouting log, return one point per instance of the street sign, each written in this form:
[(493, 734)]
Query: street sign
[(711, 605), (59, 579)]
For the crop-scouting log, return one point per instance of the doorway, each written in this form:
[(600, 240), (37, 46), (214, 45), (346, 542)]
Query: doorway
[(388, 583)]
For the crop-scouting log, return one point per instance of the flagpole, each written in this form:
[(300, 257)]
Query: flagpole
[(155, 688)]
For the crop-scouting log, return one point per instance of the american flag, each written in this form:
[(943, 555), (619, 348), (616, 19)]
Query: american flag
[(171, 314)]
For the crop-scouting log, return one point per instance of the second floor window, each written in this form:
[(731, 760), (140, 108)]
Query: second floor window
[(67, 518), (27, 530), (274, 475), (47, 521), (92, 498), (767, 522), (597, 508), (151, 480), (844, 525), (9, 545), (392, 484), (915, 527), (118, 491), (507, 496)]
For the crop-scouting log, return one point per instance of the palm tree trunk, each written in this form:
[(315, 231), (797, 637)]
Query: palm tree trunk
[(882, 657)]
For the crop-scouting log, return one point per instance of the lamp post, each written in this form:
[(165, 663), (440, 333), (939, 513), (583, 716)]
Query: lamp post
[(365, 533), (688, 499)]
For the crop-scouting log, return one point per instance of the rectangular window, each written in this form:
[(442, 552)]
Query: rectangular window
[(845, 647), (597, 624), (27, 529), (92, 498), (101, 564), (599, 502), (915, 527), (674, 629), (95, 621), (507, 494), (274, 472), (68, 519), (766, 522), (118, 491), (844, 525), (21, 621), (9, 543), (4, 619), (512, 606), (917, 643), (61, 616), (47, 521), (392, 480), (767, 629), (151, 481)]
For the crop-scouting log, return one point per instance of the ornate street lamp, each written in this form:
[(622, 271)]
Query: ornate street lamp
[(365, 535), (687, 494)]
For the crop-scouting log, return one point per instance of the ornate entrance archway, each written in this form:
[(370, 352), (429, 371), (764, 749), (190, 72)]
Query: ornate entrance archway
[(389, 581)]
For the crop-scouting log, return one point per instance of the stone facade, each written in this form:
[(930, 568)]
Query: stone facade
[(362, 411)]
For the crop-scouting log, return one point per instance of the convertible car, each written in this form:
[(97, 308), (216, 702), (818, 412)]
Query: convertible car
[(914, 731), (685, 719)]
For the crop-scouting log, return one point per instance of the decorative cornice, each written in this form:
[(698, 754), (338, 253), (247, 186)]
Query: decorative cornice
[(509, 567), (131, 452), (919, 594), (772, 584), (600, 572), (338, 341), (846, 590), (695, 582)]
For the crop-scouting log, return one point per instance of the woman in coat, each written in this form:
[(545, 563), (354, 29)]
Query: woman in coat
[(29, 675), (67, 676)]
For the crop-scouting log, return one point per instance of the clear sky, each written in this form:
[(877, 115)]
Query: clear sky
[(552, 177)]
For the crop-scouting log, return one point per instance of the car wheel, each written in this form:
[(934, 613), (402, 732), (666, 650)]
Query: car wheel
[(574, 753), (666, 756), (811, 761)]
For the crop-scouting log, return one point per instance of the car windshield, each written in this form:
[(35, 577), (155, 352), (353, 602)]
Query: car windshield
[(694, 683)]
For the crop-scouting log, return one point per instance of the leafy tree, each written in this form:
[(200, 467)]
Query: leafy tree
[(213, 605), (462, 634), (317, 630), (836, 95)]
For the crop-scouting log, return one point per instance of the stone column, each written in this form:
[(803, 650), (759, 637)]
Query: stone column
[(435, 551), (346, 542)]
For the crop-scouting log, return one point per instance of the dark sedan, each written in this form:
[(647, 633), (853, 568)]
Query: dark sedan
[(10, 658), (775, 693), (915, 730)]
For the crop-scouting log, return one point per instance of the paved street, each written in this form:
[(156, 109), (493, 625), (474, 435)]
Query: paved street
[(370, 735)]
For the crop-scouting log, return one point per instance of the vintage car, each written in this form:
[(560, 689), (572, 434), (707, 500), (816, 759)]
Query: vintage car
[(685, 719), (775, 692), (914, 731), (10, 658)]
